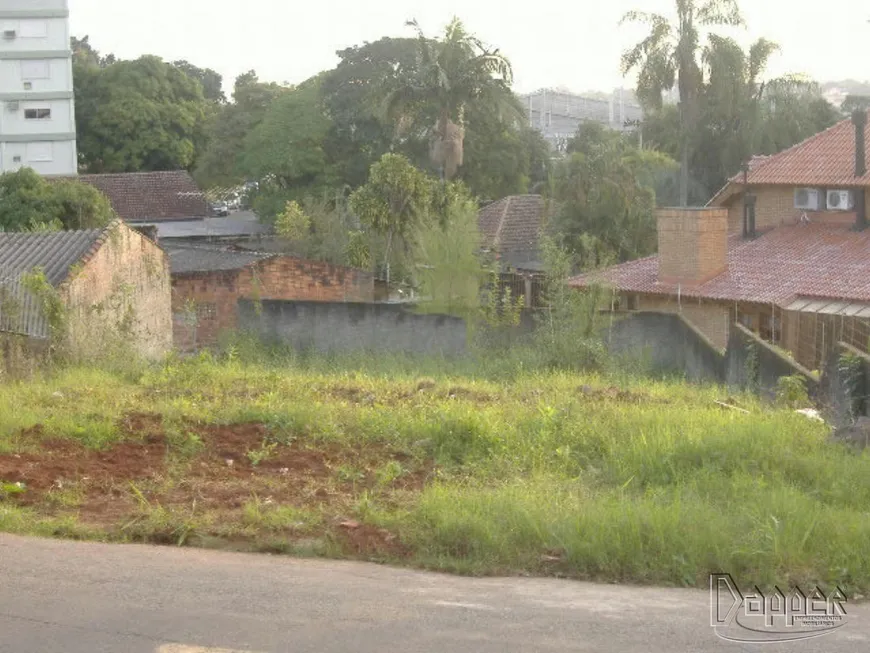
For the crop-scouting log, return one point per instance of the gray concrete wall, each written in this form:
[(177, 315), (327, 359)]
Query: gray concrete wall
[(664, 342), (844, 391), (340, 326), (769, 366)]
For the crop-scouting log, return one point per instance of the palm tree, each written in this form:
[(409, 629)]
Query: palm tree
[(449, 74), (669, 56)]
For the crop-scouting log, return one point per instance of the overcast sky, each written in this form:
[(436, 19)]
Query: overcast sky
[(574, 44)]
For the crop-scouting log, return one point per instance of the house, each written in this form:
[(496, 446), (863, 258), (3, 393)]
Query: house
[(782, 248), (110, 283), (208, 282), (152, 197), (510, 230)]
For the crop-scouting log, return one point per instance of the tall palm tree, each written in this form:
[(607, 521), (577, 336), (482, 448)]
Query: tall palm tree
[(449, 74), (669, 56)]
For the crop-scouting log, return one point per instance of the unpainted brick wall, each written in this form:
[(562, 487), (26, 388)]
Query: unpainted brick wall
[(693, 244), (775, 208), (206, 304), (124, 284)]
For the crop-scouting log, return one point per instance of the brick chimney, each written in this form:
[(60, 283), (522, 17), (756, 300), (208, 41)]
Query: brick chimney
[(693, 244), (859, 119)]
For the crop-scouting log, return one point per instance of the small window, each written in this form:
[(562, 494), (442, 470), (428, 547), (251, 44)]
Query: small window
[(33, 29), (206, 311), (16, 158), (39, 152), (35, 69), (37, 114)]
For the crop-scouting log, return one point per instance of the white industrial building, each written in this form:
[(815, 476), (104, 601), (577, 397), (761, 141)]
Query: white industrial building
[(557, 114), (37, 118)]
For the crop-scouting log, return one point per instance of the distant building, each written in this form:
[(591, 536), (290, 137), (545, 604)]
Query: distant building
[(37, 118), (558, 114)]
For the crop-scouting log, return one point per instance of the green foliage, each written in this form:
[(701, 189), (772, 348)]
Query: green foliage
[(448, 76), (570, 324), (394, 202), (286, 148), (210, 80), (791, 391), (448, 263), (28, 202), (293, 224), (851, 370), (221, 164), (605, 197), (137, 115)]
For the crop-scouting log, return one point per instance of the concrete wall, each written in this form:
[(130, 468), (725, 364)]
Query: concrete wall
[(204, 304), (667, 343), (709, 317), (769, 366), (122, 291), (336, 327)]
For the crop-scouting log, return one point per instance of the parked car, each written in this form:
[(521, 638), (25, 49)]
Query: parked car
[(220, 209)]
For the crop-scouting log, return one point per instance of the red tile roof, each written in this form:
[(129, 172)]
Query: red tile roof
[(513, 226), (151, 196), (826, 159), (804, 260)]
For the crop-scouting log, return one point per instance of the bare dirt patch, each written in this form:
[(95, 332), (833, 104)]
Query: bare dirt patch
[(238, 464)]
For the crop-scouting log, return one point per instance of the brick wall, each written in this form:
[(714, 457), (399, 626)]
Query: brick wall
[(205, 304), (775, 207), (693, 244), (713, 319), (122, 292)]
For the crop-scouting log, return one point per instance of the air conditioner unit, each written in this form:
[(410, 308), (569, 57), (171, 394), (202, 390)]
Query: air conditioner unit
[(12, 107), (840, 200), (807, 199), (9, 34)]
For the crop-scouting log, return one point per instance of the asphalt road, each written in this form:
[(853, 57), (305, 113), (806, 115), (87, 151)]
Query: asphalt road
[(75, 597)]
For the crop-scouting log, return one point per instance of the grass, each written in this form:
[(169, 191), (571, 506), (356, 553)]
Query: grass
[(609, 477)]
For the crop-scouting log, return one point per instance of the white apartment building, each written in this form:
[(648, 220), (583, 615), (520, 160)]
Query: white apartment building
[(37, 110)]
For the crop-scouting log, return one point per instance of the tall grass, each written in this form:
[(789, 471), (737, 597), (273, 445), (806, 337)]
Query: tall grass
[(538, 471)]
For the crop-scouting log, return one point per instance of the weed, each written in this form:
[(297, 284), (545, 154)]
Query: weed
[(262, 453), (390, 472)]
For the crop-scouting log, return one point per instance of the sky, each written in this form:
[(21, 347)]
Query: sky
[(573, 44)]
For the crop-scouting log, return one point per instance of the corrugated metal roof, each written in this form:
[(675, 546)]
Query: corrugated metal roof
[(828, 307), (188, 260), (54, 252)]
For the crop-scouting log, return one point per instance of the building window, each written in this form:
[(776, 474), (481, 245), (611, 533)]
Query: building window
[(206, 312), (35, 69), (37, 114), (33, 29), (39, 152)]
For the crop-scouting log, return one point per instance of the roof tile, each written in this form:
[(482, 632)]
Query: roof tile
[(151, 196), (804, 260)]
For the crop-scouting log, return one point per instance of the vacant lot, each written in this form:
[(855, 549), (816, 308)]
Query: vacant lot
[(558, 474)]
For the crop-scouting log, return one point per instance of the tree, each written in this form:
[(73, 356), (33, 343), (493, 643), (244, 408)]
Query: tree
[(605, 197), (394, 202), (448, 75), (210, 80), (669, 55), (353, 98), (30, 202), (221, 162), (286, 149), (448, 256), (138, 115), (854, 103)]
